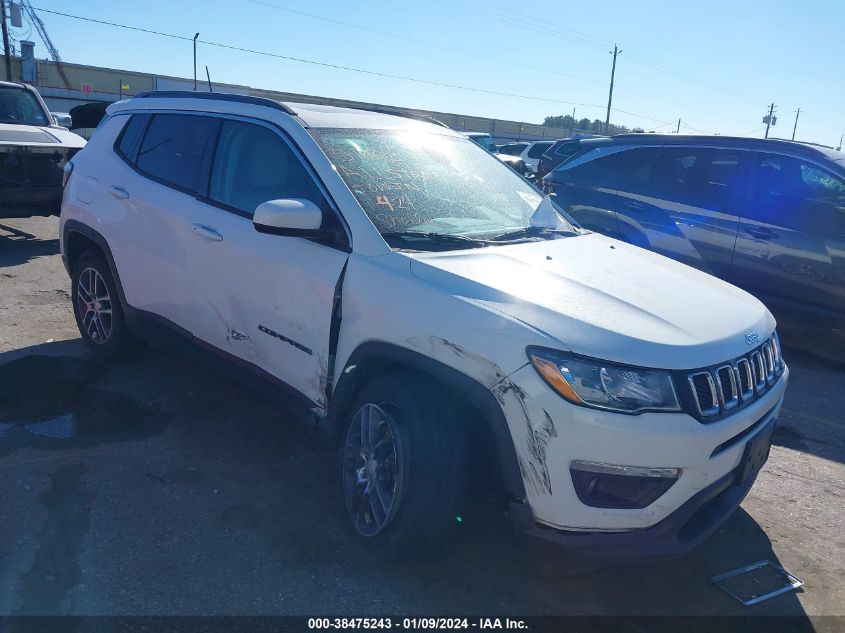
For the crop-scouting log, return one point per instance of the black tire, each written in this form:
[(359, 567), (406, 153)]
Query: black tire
[(113, 341), (431, 466)]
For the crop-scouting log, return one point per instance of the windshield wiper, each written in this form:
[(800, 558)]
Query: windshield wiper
[(532, 231), (434, 238)]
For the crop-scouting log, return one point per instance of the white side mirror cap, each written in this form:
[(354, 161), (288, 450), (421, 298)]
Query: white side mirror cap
[(288, 213)]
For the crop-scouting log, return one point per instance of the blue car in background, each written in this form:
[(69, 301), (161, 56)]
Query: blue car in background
[(766, 215)]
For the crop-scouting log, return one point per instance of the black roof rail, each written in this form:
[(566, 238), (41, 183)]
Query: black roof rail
[(214, 96)]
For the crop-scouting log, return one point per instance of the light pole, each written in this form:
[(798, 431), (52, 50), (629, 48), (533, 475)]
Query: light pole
[(195, 61)]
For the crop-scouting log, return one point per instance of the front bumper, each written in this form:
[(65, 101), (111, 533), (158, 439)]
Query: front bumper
[(680, 532), (31, 179), (705, 494)]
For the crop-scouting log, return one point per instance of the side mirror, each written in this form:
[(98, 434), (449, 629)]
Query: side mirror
[(289, 216)]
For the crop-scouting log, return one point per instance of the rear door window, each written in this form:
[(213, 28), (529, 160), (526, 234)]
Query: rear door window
[(702, 176), (537, 149), (174, 147)]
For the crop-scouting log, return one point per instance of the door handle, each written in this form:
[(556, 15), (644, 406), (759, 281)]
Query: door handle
[(760, 232), (207, 232), (118, 192)]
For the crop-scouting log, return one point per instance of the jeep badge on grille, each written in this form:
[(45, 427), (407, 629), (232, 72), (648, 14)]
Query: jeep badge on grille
[(752, 338)]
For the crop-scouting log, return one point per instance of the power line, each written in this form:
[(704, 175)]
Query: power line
[(543, 70), (545, 26), (336, 66), (416, 40)]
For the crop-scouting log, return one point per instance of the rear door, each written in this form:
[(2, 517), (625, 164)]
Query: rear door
[(685, 202), (152, 189), (791, 243), (266, 299)]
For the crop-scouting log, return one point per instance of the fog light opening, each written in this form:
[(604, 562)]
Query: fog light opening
[(601, 485)]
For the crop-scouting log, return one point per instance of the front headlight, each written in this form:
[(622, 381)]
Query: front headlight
[(603, 385)]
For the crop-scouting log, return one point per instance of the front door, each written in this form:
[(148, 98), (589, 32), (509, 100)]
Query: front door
[(266, 299), (791, 242)]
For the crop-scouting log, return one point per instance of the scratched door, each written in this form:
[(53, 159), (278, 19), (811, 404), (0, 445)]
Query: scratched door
[(266, 299)]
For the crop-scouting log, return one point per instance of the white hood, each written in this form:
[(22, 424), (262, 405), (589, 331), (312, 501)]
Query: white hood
[(39, 135), (603, 298)]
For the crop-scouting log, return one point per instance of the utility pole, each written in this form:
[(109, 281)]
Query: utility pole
[(770, 119), (841, 137), (610, 95), (195, 61), (572, 125), (6, 50), (795, 127), (678, 130)]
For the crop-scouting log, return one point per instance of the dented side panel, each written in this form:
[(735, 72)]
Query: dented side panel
[(267, 299), (383, 302)]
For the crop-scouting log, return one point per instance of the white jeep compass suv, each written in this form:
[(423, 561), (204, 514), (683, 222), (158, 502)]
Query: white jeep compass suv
[(433, 314)]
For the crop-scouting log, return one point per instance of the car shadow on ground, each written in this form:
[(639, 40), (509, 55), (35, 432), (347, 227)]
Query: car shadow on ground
[(168, 488), (18, 247)]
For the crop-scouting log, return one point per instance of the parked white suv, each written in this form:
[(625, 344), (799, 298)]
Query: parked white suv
[(432, 314), (528, 153)]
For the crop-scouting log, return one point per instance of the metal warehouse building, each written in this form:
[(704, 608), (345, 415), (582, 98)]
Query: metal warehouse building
[(75, 84)]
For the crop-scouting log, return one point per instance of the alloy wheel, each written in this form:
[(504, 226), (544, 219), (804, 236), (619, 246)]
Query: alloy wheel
[(372, 479), (94, 305)]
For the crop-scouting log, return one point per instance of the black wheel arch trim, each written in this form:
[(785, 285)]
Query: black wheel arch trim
[(493, 416), (75, 226)]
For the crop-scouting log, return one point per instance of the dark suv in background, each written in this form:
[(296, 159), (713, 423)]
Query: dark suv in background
[(559, 151), (765, 215)]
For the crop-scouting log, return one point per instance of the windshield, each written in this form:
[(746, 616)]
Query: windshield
[(423, 182), (20, 106)]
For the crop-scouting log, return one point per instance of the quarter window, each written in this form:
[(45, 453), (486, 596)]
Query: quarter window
[(174, 147), (131, 135), (253, 164)]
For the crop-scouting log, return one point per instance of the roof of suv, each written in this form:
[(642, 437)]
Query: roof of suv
[(310, 114), (794, 147)]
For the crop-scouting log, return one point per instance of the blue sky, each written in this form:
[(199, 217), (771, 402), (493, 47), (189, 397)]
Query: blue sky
[(716, 65)]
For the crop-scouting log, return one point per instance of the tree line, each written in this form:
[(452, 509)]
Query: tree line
[(572, 126)]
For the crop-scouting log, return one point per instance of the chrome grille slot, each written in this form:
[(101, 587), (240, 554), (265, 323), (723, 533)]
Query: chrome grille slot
[(776, 351), (745, 379), (769, 358), (728, 389), (704, 392), (759, 367)]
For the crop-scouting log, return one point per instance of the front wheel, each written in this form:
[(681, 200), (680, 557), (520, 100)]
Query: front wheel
[(404, 466)]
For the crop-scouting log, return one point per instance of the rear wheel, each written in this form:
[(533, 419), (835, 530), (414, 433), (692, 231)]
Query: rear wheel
[(97, 309), (404, 466)]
